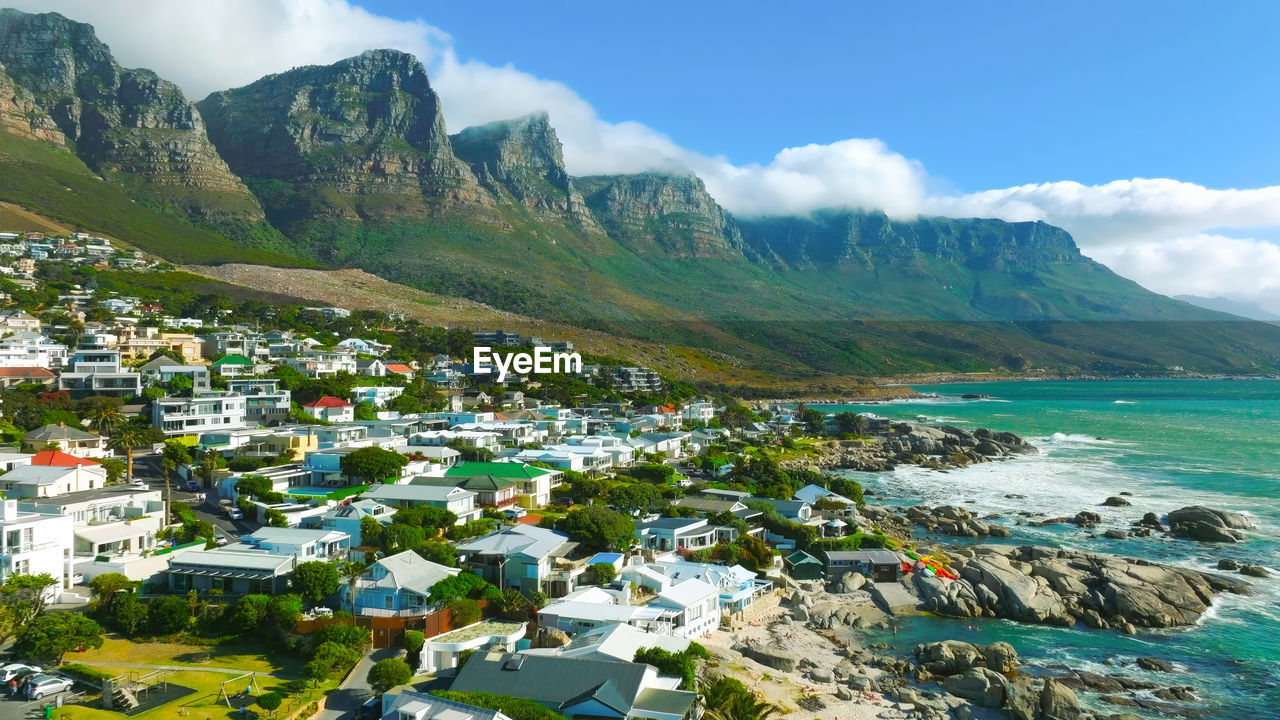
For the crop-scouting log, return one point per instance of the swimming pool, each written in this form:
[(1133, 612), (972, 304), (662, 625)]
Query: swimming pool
[(309, 491)]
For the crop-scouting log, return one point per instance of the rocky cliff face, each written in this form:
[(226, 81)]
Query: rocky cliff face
[(662, 214), (21, 116), (522, 160), (853, 238), (369, 127), (130, 126)]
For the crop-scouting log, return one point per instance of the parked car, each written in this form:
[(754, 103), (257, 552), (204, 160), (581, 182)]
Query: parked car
[(220, 539), (77, 578), (193, 486), (515, 513), (235, 514), (41, 685), (370, 709), (13, 670), (563, 501)]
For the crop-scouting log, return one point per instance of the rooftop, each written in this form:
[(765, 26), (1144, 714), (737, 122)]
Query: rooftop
[(510, 470)]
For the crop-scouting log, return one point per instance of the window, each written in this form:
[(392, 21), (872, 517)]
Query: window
[(389, 602)]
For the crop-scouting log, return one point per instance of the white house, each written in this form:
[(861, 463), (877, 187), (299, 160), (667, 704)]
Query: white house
[(35, 481), (376, 395), (31, 349), (331, 409), (695, 607), (305, 545), (323, 363), (35, 543), (205, 412), (98, 372), (456, 500)]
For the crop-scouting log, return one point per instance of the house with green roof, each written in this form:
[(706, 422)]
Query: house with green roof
[(235, 366), (800, 565), (491, 491), (533, 484)]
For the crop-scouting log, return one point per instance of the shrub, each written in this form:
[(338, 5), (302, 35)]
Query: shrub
[(388, 673), (270, 701), (605, 573), (342, 634), (465, 611), (86, 673), (514, 708)]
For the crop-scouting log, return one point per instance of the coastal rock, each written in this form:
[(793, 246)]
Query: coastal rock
[(1151, 520), (1116, 501), (1001, 657), (1086, 518), (773, 657), (943, 597), (1197, 522), (852, 582), (1153, 664), (1019, 595), (1057, 701), (978, 685), (1227, 564), (1254, 571), (1114, 534)]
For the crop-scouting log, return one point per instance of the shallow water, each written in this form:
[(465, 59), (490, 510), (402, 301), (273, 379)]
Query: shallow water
[(1168, 442)]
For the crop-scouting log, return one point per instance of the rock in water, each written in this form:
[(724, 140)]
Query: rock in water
[(1057, 701), (1115, 501), (1197, 522), (1154, 665)]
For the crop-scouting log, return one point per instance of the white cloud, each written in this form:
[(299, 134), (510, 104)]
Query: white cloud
[(1245, 270), (215, 44)]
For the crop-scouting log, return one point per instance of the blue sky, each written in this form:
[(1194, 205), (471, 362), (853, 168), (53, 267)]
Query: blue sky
[(986, 94)]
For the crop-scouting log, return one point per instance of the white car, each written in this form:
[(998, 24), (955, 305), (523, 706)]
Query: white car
[(235, 514), (515, 513), (8, 672), (42, 685)]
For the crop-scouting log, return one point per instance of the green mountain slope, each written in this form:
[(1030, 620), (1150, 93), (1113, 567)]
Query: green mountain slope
[(351, 165)]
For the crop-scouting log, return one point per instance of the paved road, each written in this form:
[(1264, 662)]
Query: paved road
[(344, 701), (146, 468)]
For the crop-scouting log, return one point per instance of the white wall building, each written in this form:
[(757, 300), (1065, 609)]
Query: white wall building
[(35, 543), (212, 411)]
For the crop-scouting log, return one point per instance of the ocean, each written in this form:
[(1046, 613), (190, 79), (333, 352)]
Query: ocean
[(1168, 442)]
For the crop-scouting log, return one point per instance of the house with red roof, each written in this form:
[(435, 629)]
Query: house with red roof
[(331, 409), (57, 458), (11, 377)]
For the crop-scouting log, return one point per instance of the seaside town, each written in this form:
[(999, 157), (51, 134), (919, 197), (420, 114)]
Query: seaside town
[(216, 508)]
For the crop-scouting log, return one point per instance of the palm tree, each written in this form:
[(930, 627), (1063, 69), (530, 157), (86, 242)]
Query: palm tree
[(351, 571), (105, 418), (131, 435), (175, 454), (727, 699)]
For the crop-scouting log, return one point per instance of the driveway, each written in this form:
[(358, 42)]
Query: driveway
[(344, 701)]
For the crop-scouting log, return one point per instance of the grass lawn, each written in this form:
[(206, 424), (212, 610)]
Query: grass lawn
[(204, 677)]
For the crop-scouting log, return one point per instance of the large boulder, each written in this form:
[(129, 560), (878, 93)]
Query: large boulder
[(1001, 657), (547, 637), (1197, 522), (1019, 595), (946, 597), (773, 657), (1058, 702), (1086, 518), (852, 582), (978, 685)]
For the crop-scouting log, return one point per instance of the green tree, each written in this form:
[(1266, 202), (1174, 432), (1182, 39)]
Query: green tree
[(132, 435), (388, 673), (850, 423), (175, 455), (373, 464), (599, 527), (328, 657), (126, 614), (168, 615), (248, 614), (605, 573), (49, 637), (275, 518), (104, 586), (461, 585), (314, 581), (350, 573), (464, 611), (350, 636), (269, 701), (437, 551), (105, 417), (285, 610), (366, 411), (728, 699), (371, 532), (23, 598)]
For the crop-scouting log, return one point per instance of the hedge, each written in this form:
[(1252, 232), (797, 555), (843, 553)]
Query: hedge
[(514, 708)]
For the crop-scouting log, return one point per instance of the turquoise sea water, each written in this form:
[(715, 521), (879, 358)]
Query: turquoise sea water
[(1169, 442)]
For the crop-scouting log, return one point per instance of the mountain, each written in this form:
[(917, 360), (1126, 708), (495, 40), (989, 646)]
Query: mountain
[(350, 165), (129, 126), (1231, 307)]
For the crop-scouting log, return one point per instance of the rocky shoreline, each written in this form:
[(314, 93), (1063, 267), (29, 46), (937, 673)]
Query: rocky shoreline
[(811, 645), (889, 444)]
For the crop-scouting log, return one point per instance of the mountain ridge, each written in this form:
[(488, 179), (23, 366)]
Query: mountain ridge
[(351, 165)]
